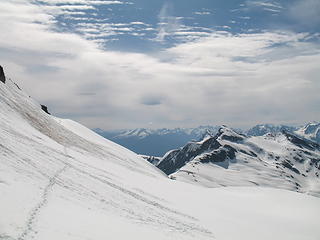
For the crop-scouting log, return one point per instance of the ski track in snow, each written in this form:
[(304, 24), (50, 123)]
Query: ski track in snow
[(29, 228), (179, 225), (175, 220)]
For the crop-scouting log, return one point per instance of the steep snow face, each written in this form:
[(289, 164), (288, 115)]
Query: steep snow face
[(231, 159), (310, 131), (59, 180)]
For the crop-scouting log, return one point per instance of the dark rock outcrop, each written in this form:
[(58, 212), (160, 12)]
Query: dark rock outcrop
[(176, 159), (2, 76), (210, 147), (301, 142), (45, 109), (289, 165), (151, 159), (220, 155), (228, 134)]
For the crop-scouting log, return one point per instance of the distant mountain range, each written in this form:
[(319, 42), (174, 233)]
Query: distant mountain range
[(156, 142), (262, 129)]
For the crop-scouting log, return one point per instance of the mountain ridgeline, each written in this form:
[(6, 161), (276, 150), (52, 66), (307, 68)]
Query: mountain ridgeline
[(311, 131), (262, 129), (277, 156), (282, 160), (157, 142)]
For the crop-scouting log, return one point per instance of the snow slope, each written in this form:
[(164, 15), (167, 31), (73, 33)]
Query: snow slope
[(59, 180)]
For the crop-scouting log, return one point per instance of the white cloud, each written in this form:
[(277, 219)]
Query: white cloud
[(23, 11), (139, 23), (202, 13), (170, 26), (84, 2), (218, 78), (105, 2), (65, 9), (70, 13), (93, 30), (73, 7), (245, 17), (266, 5), (168, 23)]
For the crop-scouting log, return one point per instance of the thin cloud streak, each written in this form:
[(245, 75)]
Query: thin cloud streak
[(168, 23), (83, 2)]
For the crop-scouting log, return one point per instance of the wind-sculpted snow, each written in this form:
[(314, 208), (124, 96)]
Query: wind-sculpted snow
[(59, 180)]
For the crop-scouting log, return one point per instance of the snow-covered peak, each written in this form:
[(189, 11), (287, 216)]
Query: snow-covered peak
[(226, 133), (174, 160), (156, 142), (196, 133), (311, 128), (282, 160), (138, 132), (262, 129), (310, 131)]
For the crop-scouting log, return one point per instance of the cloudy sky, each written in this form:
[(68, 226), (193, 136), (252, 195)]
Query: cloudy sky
[(153, 63)]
